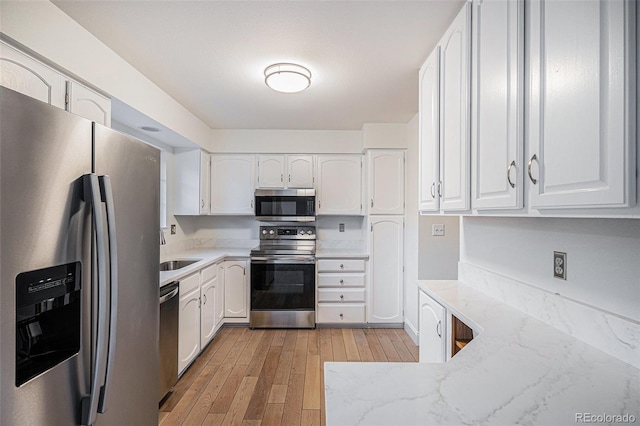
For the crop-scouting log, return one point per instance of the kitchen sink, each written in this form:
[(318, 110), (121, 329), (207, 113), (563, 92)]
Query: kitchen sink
[(172, 265)]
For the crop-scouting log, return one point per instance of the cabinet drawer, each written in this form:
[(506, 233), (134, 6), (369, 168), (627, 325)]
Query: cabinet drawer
[(341, 313), (189, 283), (210, 272), (341, 295), (340, 265), (341, 280)]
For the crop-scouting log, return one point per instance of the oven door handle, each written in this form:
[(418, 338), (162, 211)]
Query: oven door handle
[(283, 259)]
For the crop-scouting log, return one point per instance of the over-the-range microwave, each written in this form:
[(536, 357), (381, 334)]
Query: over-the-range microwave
[(285, 205)]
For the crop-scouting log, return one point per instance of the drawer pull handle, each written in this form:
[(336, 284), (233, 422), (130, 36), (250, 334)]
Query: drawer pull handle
[(342, 282)]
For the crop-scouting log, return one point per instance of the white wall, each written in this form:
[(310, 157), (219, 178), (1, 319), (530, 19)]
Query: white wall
[(285, 141), (603, 256), (438, 255), (51, 34), (384, 135)]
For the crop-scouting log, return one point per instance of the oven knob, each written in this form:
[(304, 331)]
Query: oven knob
[(271, 232), (264, 232), (309, 232), (302, 232)]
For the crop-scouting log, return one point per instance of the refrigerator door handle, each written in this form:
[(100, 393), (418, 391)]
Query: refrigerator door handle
[(90, 403), (107, 196)]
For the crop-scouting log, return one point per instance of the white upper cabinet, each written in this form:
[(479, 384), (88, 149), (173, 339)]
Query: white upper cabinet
[(497, 104), (581, 128), (30, 77), (192, 182), (271, 169), (88, 104), (300, 171), (386, 181), (285, 171), (339, 189), (454, 113), (429, 133), (232, 184)]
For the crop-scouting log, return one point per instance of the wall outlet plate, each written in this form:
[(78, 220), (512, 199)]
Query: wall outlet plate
[(173, 229), (560, 265), (341, 227), (437, 230)]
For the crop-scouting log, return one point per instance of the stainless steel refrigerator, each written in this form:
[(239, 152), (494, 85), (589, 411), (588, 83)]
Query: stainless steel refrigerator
[(79, 250)]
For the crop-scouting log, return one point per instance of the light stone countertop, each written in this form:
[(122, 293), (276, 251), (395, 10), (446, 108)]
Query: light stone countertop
[(207, 256), (517, 370)]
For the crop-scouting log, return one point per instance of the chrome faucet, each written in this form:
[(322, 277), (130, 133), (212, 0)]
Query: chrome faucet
[(162, 240)]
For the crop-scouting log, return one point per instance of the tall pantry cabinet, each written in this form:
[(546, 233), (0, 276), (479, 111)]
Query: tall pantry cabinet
[(386, 204)]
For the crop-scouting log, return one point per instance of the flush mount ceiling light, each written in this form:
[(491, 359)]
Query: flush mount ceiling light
[(287, 78)]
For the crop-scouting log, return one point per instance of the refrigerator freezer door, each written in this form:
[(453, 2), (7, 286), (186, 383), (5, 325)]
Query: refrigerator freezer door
[(44, 223), (134, 173)]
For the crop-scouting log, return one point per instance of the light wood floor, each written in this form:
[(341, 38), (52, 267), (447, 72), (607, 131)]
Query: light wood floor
[(273, 377)]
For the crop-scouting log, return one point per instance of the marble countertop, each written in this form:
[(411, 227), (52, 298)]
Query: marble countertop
[(517, 370), (206, 256)]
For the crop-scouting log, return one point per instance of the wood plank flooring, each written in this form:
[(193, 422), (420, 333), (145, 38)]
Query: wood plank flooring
[(273, 377)]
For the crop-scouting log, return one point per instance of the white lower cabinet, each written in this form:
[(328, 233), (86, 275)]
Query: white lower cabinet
[(341, 291), (386, 270), (189, 321), (432, 346), (236, 289), (208, 303)]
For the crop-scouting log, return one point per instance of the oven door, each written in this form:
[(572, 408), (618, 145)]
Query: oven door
[(283, 283), (290, 208)]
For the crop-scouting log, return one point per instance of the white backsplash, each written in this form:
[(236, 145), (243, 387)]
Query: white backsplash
[(173, 248), (341, 244), (611, 333)]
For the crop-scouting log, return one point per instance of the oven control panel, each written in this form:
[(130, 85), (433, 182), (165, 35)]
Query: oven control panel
[(302, 232)]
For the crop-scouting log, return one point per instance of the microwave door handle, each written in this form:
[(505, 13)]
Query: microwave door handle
[(90, 402), (107, 196)]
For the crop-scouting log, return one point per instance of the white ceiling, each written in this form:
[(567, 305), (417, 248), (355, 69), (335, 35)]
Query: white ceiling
[(210, 55)]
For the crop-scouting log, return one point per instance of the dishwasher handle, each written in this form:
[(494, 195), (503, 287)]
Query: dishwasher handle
[(169, 291)]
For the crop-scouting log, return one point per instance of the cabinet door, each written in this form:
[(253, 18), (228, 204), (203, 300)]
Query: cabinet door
[(205, 182), (86, 103), (30, 77), (219, 297), (454, 114), (339, 185), (497, 108), (189, 322), (192, 182), (386, 181), (208, 311), (300, 171), (429, 133), (236, 294), (232, 184), (271, 171), (432, 340), (386, 270), (581, 122)]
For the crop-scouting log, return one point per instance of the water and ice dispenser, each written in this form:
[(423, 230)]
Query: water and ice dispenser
[(47, 319)]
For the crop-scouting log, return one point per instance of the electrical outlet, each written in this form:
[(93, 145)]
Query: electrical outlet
[(437, 230), (341, 227), (560, 265), (173, 229)]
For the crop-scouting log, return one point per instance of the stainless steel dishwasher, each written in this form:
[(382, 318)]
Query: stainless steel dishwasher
[(169, 308)]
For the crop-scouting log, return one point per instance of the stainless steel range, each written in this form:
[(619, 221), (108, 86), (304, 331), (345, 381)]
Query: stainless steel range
[(283, 276)]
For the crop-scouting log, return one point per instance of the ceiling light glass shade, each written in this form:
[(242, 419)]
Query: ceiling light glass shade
[(287, 78)]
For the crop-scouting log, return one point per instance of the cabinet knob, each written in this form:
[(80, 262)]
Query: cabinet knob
[(342, 297), (342, 282), (341, 316), (341, 266)]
